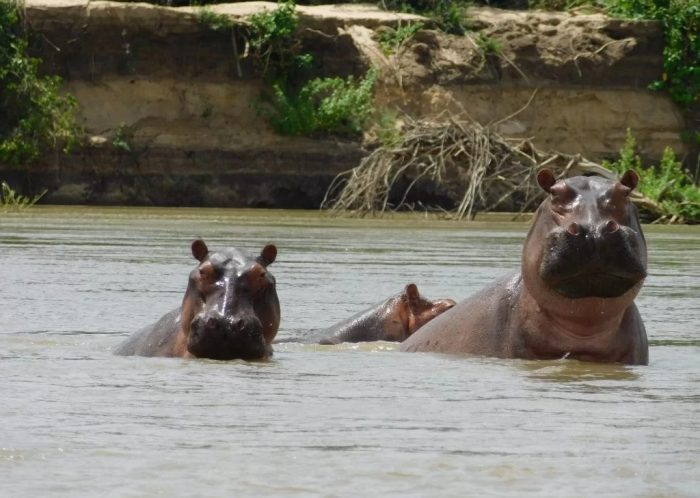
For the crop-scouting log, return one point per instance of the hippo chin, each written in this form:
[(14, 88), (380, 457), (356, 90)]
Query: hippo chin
[(230, 310), (394, 319), (584, 261)]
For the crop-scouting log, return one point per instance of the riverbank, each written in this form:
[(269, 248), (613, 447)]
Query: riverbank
[(167, 104)]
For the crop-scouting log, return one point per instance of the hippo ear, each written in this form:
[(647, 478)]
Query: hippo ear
[(267, 255), (630, 179), (199, 250), (411, 292), (546, 179)]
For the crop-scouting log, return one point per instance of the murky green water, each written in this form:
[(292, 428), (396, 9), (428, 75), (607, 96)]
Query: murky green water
[(322, 421)]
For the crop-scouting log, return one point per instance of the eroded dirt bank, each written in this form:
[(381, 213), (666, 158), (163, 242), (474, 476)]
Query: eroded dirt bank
[(156, 79)]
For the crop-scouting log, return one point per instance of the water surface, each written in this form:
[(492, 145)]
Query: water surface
[(322, 421)]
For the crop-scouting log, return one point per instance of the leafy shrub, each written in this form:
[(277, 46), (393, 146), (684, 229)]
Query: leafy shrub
[(323, 105), (390, 40), (274, 44), (36, 117), (666, 184)]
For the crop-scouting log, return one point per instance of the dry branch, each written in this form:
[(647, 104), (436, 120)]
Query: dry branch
[(477, 168)]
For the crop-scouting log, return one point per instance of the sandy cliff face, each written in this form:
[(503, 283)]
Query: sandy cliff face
[(173, 90)]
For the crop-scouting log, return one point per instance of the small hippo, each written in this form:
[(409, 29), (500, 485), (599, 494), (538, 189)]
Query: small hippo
[(392, 320), (230, 310), (583, 263)]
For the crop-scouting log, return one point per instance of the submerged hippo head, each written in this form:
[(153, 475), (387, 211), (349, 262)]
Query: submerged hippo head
[(586, 240), (231, 308), (411, 311)]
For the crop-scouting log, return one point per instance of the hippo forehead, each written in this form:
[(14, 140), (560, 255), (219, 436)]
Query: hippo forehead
[(229, 261), (589, 186)]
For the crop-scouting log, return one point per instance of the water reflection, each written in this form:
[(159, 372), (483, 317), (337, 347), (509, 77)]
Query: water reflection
[(566, 370)]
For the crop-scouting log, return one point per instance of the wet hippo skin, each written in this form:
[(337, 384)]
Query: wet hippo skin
[(584, 261), (391, 320), (230, 310)]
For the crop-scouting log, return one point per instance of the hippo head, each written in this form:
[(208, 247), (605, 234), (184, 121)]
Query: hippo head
[(586, 240), (231, 308), (414, 311)]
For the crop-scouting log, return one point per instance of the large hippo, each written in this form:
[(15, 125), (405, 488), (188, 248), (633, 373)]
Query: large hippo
[(230, 310), (583, 263), (391, 320)]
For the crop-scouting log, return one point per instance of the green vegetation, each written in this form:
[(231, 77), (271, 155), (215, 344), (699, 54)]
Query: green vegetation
[(293, 103), (676, 194), (391, 39), (274, 44), (681, 22), (488, 45), (449, 15), (36, 117), (334, 106), (122, 138), (12, 201)]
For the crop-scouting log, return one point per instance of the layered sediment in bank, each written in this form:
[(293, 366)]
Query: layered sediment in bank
[(169, 106)]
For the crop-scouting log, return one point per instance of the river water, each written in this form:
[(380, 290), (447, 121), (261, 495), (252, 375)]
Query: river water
[(322, 420)]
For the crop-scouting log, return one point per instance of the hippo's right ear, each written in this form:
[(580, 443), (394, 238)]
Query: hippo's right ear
[(411, 291), (267, 255), (545, 178), (199, 250)]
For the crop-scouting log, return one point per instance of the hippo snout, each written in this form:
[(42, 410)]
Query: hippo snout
[(222, 337), (585, 260)]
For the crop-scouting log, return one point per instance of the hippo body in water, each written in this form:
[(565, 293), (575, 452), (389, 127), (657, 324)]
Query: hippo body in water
[(230, 310), (391, 320), (583, 263)]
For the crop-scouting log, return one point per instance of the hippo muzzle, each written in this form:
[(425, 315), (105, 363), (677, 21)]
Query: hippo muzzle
[(219, 337), (592, 261)]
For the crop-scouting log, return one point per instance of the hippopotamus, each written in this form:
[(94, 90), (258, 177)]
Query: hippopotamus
[(230, 310), (393, 319), (583, 262)]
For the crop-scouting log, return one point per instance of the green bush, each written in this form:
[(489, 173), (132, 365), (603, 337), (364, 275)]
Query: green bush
[(36, 117), (333, 106), (391, 39), (275, 45), (667, 184)]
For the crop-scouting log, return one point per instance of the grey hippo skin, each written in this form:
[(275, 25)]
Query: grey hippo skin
[(394, 319), (583, 263), (230, 310)]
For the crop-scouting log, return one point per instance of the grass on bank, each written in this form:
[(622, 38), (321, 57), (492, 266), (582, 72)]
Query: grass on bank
[(11, 201)]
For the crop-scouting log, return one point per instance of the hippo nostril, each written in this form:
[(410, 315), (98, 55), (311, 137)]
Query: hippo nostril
[(211, 323), (612, 226), (574, 228)]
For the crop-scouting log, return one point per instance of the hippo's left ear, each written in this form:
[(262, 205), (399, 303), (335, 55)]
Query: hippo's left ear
[(545, 178), (630, 179), (199, 250), (267, 255)]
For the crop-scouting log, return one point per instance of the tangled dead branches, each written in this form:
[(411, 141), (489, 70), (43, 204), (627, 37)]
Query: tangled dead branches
[(478, 168)]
